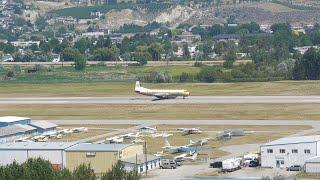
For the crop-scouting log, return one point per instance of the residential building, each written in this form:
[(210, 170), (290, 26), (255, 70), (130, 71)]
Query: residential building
[(24, 44), (289, 151)]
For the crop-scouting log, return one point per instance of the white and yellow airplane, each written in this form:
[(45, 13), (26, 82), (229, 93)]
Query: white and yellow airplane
[(160, 93)]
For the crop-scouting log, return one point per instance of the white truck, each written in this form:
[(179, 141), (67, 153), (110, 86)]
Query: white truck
[(230, 165)]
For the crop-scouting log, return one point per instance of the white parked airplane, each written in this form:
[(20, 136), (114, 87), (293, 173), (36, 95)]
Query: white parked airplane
[(115, 139), (187, 131), (163, 134), (199, 142), (160, 93)]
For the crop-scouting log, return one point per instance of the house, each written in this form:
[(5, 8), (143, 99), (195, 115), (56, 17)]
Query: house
[(15, 132), (7, 58), (289, 151), (12, 120), (141, 163), (24, 44), (44, 127)]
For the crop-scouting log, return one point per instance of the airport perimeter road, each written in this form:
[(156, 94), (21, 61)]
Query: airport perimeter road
[(152, 100)]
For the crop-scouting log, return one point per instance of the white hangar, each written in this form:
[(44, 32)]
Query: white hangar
[(289, 151)]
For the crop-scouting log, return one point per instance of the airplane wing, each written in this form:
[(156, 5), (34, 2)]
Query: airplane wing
[(185, 149)]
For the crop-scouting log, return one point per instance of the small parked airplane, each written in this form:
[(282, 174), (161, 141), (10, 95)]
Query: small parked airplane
[(199, 142), (175, 149), (163, 134), (131, 135), (160, 93), (187, 131), (115, 139)]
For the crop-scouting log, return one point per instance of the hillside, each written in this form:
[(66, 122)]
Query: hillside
[(141, 14)]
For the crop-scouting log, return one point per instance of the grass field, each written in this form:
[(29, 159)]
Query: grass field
[(126, 88), (166, 111), (262, 134)]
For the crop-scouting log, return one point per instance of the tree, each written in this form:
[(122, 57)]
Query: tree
[(80, 62), (45, 46), (84, 172), (186, 52), (104, 43), (41, 23), (142, 57), (118, 172), (69, 54), (308, 67), (155, 50), (209, 74), (106, 54), (230, 57), (83, 44)]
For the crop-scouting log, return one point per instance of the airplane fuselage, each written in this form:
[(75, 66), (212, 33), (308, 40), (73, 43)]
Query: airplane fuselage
[(160, 93)]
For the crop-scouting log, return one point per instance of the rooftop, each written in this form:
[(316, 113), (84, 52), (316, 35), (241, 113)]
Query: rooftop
[(294, 140), (7, 119), (14, 129), (98, 147), (43, 124), (315, 159), (140, 159), (36, 145)]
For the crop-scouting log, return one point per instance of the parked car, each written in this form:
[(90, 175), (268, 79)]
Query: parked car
[(294, 168), (217, 164), (179, 161), (254, 163), (168, 164)]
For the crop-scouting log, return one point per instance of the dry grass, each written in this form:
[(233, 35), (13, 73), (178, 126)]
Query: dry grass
[(166, 111)]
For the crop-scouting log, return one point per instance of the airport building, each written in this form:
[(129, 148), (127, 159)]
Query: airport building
[(12, 120), (290, 151), (69, 155), (21, 151), (17, 131), (44, 127), (100, 156), (141, 163)]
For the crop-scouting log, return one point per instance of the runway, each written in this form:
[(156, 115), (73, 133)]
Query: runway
[(152, 100)]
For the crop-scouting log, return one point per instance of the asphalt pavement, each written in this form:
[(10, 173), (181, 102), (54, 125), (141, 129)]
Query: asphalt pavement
[(153, 100)]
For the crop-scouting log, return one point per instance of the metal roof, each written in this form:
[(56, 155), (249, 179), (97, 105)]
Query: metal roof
[(36, 145), (15, 129), (140, 159), (43, 124), (294, 140), (315, 159), (7, 119), (98, 147)]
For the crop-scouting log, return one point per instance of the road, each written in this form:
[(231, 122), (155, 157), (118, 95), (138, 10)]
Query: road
[(152, 100)]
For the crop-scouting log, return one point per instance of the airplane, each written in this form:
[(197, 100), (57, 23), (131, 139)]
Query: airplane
[(164, 134), (187, 131), (191, 156), (24, 139), (115, 139), (160, 93), (131, 135), (176, 149), (40, 138), (199, 142), (159, 154), (136, 141), (147, 129), (80, 129)]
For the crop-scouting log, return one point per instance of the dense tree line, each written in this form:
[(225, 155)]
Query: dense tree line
[(39, 169)]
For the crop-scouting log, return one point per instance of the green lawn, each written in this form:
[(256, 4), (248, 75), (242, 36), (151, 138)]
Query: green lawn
[(126, 88)]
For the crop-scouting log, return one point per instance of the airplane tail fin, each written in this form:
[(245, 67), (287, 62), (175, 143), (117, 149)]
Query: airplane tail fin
[(137, 87), (191, 142), (166, 143)]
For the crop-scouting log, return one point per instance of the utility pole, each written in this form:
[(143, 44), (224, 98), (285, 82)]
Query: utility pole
[(136, 165), (145, 157)]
